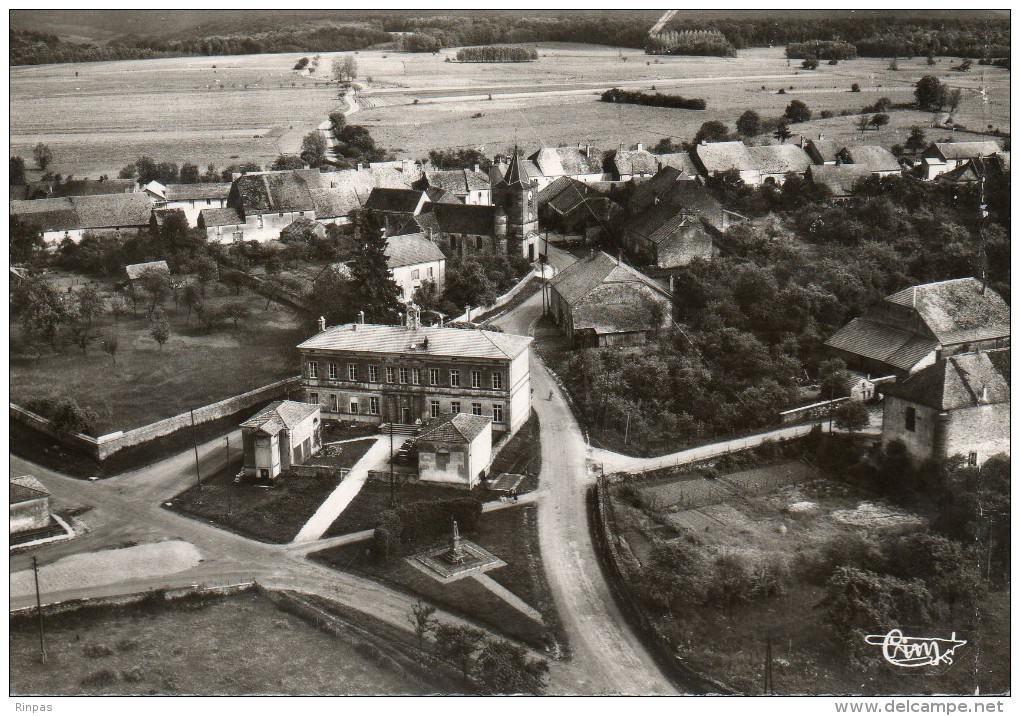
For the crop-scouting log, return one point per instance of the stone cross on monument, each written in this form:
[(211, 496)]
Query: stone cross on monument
[(456, 553)]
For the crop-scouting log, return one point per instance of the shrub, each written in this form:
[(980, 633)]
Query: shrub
[(631, 495), (652, 100), (826, 113), (96, 651), (855, 87), (100, 679)]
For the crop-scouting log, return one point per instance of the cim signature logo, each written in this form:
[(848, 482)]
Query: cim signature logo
[(915, 651)]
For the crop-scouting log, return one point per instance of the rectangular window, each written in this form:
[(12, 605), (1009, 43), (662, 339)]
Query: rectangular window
[(497, 413), (434, 408), (390, 374), (476, 408), (476, 379), (416, 376), (415, 274), (331, 370), (497, 381), (373, 373), (313, 398), (354, 406), (430, 272), (455, 406), (972, 459), (373, 406), (433, 376), (454, 378), (403, 376), (334, 404), (313, 369), (352, 371), (910, 420)]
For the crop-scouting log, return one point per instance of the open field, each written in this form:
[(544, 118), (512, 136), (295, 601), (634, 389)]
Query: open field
[(147, 382), (237, 645), (208, 109), (795, 524)]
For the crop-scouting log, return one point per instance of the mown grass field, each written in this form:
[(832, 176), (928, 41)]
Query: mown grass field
[(149, 383), (233, 646), (208, 109)]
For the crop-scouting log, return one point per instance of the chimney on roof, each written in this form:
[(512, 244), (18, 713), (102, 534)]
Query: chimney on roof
[(478, 168), (984, 394), (361, 317), (820, 136), (322, 323), (361, 167), (640, 147)]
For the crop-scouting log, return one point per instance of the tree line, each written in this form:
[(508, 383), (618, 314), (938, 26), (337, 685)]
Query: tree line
[(652, 100), (691, 42), (497, 53), (822, 50)]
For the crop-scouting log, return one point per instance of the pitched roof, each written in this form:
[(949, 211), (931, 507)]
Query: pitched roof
[(457, 181), (825, 150), (839, 178), (276, 191), (398, 201), (135, 271), (780, 158), (669, 187), (26, 488), (476, 219), (681, 161), (82, 187), (635, 161), (658, 222), (197, 192), (874, 157), (568, 161), (961, 381), (438, 195), (723, 156), (956, 311), (281, 415), (966, 150), (451, 342), (578, 280), (454, 427), (617, 308), (518, 171), (878, 341), (103, 211), (566, 194), (227, 216), (410, 250)]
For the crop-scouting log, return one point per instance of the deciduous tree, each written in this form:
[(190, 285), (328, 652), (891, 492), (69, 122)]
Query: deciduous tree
[(749, 123), (43, 155), (422, 620)]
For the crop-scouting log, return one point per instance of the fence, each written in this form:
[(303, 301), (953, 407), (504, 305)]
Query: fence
[(103, 447), (815, 411), (166, 594)]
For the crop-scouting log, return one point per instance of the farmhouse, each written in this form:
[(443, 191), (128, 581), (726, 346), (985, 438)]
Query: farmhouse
[(572, 206), (628, 164), (282, 434), (682, 162), (666, 236), (583, 163), (79, 187), (716, 157), (994, 170), (669, 186), (839, 178), (411, 373), (877, 160), (942, 157), (192, 199), (958, 406), (74, 216), (469, 186), (413, 260), (455, 448), (822, 152), (30, 505), (913, 328), (776, 161), (600, 301)]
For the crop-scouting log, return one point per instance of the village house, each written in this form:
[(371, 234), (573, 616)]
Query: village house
[(394, 207), (717, 157), (455, 448), (994, 170), (78, 187), (469, 186), (630, 164), (571, 206), (192, 199), (413, 260), (776, 161), (959, 406), (583, 163), (839, 178), (30, 505), (411, 373), (666, 236), (682, 162), (74, 216), (942, 157), (601, 301), (282, 434), (913, 328), (879, 161), (669, 186), (823, 152)]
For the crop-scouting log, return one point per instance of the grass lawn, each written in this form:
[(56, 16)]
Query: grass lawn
[(272, 515), (232, 645), (810, 656), (148, 383), (511, 535)]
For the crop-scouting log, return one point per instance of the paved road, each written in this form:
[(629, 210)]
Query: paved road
[(606, 656)]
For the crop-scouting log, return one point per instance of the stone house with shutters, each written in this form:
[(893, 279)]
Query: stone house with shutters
[(957, 406), (455, 448), (282, 434), (666, 236), (411, 373)]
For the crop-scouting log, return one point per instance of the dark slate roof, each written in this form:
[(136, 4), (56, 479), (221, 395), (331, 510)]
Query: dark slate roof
[(963, 150), (442, 341), (463, 218), (656, 223), (26, 488), (874, 157), (956, 311), (397, 201), (103, 211), (517, 172), (227, 216), (197, 192), (878, 341), (454, 428), (780, 158), (961, 381), (565, 194), (438, 195), (581, 278), (411, 249), (281, 415)]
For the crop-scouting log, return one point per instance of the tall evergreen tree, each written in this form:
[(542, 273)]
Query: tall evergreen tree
[(373, 289)]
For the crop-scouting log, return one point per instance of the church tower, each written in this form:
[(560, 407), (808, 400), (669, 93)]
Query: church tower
[(517, 195)]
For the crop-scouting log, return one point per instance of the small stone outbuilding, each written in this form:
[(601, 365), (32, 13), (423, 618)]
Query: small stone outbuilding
[(455, 449), (282, 434)]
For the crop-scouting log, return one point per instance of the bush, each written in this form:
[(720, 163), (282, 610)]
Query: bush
[(100, 679), (855, 87), (415, 522), (652, 100), (631, 495), (96, 651)]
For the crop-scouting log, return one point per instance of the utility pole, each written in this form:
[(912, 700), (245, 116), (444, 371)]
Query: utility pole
[(227, 438), (38, 609), (194, 439), (392, 497), (769, 686)]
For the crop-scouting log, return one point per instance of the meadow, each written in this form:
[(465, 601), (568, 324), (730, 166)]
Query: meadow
[(210, 109)]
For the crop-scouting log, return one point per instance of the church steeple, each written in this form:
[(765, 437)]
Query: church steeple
[(517, 173)]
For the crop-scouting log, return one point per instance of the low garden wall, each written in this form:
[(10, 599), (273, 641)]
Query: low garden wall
[(501, 300)]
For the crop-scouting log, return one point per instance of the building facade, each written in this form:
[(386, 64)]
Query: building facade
[(282, 434), (411, 373), (455, 449), (30, 505)]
